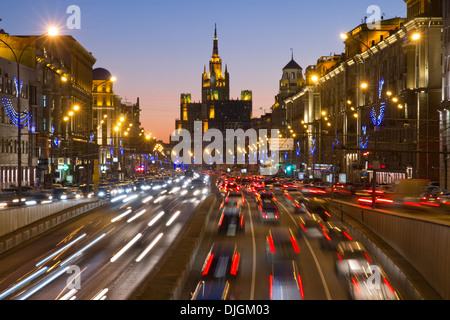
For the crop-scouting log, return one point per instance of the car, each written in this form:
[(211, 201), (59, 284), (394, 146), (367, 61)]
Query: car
[(289, 186), (61, 193), (281, 244), (222, 262), (234, 197), (311, 225), (212, 290), (366, 286), (231, 220), (75, 193), (104, 192), (334, 232), (430, 199), (229, 186), (318, 208), (351, 257), (300, 204), (268, 211), (260, 197), (285, 282)]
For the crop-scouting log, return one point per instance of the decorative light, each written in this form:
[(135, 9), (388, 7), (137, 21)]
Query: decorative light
[(363, 143)]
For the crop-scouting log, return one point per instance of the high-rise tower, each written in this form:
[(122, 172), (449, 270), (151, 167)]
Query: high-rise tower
[(216, 84)]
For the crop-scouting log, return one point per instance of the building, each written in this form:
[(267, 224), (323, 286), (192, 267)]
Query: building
[(445, 107), (377, 107), (291, 83), (66, 71), (216, 109)]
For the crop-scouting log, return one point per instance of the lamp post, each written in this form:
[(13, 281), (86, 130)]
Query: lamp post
[(52, 32)]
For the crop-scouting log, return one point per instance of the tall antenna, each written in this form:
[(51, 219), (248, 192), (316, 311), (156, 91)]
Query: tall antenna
[(292, 54)]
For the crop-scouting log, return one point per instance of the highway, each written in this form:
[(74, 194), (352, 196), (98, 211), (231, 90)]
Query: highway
[(104, 254), (316, 265)]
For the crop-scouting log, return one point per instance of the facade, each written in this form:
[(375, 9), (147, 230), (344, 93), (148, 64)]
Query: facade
[(377, 107), (445, 107), (291, 83), (216, 110), (66, 68)]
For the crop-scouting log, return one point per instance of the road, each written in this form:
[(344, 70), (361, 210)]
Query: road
[(316, 265), (104, 254)]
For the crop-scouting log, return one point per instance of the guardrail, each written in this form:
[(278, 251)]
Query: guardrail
[(418, 247), (21, 224)]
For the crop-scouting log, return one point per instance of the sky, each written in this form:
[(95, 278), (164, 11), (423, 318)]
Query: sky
[(158, 49)]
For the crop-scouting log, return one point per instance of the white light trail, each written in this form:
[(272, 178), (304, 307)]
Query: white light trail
[(175, 215), (23, 282), (60, 250), (155, 219), (83, 249), (121, 216), (147, 199), (137, 215), (128, 246), (43, 284), (101, 295), (154, 242)]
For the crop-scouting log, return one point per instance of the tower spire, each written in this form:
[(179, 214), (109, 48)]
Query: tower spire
[(216, 43)]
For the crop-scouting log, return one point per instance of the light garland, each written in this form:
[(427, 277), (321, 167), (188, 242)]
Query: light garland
[(313, 147), (377, 119), (365, 143), (13, 115)]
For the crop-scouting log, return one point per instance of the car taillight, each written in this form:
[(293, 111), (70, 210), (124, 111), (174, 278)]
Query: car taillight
[(348, 236), (221, 220), (242, 220), (339, 256), (327, 236), (235, 264), (367, 257), (271, 245), (389, 286), (300, 286), (295, 245), (208, 265), (355, 283)]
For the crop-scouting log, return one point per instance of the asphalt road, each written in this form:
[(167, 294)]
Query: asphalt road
[(104, 254)]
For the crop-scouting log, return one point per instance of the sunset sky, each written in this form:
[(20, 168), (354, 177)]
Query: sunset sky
[(158, 49)]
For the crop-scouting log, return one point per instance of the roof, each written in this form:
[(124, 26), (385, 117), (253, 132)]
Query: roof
[(101, 74), (292, 65)]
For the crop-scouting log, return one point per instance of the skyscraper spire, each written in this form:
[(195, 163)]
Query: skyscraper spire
[(216, 43)]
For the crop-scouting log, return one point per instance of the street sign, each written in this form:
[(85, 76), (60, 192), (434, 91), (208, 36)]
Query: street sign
[(284, 144)]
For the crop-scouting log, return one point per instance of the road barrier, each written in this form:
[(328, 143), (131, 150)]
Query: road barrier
[(414, 250), (21, 224)]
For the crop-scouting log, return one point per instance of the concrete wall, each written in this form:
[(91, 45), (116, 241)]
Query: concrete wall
[(424, 244), (13, 219), (20, 225)]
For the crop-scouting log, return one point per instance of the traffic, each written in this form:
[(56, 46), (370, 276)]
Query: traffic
[(291, 241)]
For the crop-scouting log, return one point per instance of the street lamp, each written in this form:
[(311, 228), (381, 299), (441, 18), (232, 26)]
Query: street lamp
[(51, 32)]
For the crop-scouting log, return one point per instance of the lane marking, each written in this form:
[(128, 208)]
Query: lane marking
[(252, 287), (316, 261)]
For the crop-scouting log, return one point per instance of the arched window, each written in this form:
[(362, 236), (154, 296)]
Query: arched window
[(293, 75)]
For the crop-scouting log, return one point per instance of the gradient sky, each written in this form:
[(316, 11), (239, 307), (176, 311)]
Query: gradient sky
[(157, 49)]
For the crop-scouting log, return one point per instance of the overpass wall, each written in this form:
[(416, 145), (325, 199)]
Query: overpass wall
[(425, 244)]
